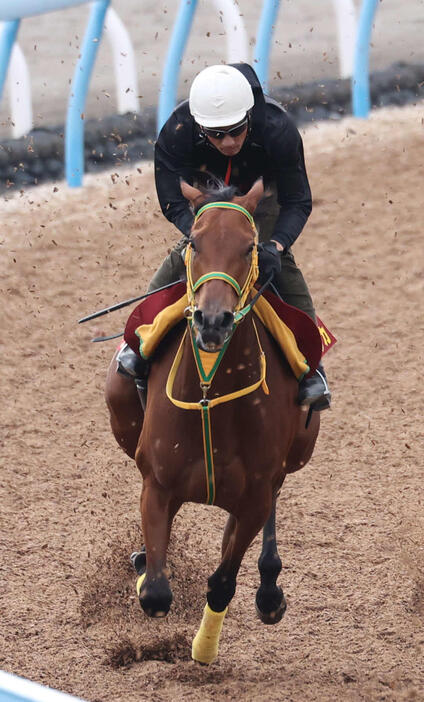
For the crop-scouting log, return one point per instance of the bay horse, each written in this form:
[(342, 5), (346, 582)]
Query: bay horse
[(242, 449)]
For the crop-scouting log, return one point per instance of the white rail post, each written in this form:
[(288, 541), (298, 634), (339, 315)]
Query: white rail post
[(235, 31), (19, 90), (123, 62), (346, 35)]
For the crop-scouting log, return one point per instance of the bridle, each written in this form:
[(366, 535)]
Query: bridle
[(242, 291)]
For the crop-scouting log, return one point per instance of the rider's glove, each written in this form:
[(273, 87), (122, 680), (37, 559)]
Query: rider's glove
[(269, 260)]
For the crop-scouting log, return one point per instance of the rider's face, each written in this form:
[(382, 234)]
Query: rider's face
[(228, 143)]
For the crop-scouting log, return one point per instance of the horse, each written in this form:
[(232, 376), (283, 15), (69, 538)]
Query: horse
[(240, 450)]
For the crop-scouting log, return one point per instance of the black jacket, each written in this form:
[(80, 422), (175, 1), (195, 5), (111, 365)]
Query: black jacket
[(273, 150)]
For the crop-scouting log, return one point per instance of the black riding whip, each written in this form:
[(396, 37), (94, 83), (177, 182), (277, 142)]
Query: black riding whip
[(107, 338), (125, 303)]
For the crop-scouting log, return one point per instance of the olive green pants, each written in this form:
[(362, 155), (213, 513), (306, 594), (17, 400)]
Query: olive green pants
[(290, 283)]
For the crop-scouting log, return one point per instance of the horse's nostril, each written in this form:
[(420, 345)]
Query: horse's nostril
[(227, 319), (208, 321), (198, 318)]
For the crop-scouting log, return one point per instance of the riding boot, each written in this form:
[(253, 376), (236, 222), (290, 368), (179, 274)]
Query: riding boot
[(133, 366), (291, 286), (314, 391)]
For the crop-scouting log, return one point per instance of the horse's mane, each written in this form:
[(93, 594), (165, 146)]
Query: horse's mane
[(218, 192)]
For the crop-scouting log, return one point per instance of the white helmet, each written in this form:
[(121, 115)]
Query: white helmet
[(220, 96)]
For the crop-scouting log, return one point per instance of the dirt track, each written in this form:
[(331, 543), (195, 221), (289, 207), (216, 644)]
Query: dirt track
[(350, 524)]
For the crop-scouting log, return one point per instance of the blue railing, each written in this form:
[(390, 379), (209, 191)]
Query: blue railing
[(7, 40), (361, 102), (74, 135), (74, 142), (171, 72), (262, 51), (16, 689)]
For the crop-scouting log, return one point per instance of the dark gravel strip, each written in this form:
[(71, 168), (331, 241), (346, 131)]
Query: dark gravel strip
[(123, 139)]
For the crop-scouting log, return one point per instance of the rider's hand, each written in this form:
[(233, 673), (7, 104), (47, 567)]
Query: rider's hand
[(269, 260)]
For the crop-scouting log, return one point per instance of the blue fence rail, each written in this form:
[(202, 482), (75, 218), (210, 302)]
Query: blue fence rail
[(7, 40), (171, 72), (74, 142), (262, 52), (361, 101), (74, 133), (16, 689)]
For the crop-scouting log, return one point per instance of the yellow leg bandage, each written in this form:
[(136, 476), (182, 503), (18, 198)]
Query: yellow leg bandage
[(139, 583), (205, 644)]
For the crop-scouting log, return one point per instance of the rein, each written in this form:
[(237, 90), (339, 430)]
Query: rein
[(207, 367)]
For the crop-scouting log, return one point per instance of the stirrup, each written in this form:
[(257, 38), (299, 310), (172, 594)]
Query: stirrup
[(141, 385), (323, 403), (130, 364), (133, 366), (314, 392)]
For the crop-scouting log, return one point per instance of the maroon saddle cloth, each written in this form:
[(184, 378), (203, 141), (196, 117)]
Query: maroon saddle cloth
[(308, 335)]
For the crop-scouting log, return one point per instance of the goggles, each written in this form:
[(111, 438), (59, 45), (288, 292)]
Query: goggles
[(231, 131)]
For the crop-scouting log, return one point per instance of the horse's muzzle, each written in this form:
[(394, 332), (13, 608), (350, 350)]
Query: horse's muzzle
[(212, 329)]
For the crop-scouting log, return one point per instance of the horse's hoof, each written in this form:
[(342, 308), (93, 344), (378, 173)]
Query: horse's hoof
[(155, 601), (272, 617), (275, 615), (138, 560)]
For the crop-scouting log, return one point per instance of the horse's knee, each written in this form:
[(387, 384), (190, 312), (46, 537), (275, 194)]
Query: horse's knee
[(155, 596), (221, 589)]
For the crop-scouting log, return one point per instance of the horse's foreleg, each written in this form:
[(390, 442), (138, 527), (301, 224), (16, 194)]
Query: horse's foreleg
[(158, 510), (270, 601), (240, 532), (228, 531)]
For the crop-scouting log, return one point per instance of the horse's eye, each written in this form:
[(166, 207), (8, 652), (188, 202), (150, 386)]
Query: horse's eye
[(249, 250)]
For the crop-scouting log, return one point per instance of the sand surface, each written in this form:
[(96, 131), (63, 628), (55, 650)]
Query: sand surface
[(350, 524), (304, 48)]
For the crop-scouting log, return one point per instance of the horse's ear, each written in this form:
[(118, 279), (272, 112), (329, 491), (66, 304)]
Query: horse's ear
[(251, 199), (194, 195)]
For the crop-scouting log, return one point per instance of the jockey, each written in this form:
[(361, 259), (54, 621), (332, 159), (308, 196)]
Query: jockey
[(231, 131)]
